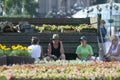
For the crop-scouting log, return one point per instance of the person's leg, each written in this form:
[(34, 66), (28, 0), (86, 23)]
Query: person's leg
[(48, 58), (118, 58), (113, 58)]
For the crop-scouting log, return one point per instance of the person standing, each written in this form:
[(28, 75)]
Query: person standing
[(101, 39)]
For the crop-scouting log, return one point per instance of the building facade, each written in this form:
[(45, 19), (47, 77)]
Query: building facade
[(60, 6)]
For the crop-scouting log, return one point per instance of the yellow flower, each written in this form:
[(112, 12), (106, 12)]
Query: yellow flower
[(13, 47), (3, 47), (29, 49), (7, 49), (25, 48), (19, 46)]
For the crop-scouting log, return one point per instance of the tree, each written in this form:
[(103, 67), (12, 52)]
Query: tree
[(15, 7), (31, 6)]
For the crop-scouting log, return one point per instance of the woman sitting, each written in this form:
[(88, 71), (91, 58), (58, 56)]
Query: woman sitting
[(84, 51), (114, 50), (35, 49)]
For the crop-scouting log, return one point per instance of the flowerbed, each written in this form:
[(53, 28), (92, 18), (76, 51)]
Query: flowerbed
[(18, 50), (25, 27), (15, 55), (63, 28), (63, 70)]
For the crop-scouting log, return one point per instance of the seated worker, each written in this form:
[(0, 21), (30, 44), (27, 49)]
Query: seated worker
[(84, 51), (55, 49), (114, 50), (35, 48)]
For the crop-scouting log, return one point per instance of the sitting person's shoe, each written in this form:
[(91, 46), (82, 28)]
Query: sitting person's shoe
[(106, 58)]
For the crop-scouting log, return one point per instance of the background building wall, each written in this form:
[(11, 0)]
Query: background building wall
[(66, 5)]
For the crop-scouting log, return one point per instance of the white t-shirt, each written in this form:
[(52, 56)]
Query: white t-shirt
[(35, 51), (107, 45)]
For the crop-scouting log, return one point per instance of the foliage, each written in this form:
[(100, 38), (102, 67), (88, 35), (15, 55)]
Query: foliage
[(49, 27), (85, 27), (45, 27), (4, 51), (14, 7), (53, 28), (63, 70), (62, 28), (20, 50), (66, 27)]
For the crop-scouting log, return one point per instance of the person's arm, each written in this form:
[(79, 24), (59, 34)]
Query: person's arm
[(78, 56), (118, 52), (62, 51), (109, 51), (61, 48), (78, 52), (49, 49), (41, 56), (90, 52)]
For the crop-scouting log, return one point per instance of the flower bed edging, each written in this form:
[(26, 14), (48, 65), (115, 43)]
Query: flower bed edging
[(3, 60)]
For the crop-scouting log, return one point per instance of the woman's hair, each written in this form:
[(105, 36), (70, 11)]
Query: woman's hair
[(114, 37), (34, 40)]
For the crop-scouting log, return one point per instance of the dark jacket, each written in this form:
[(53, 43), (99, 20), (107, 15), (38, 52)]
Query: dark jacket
[(101, 37)]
